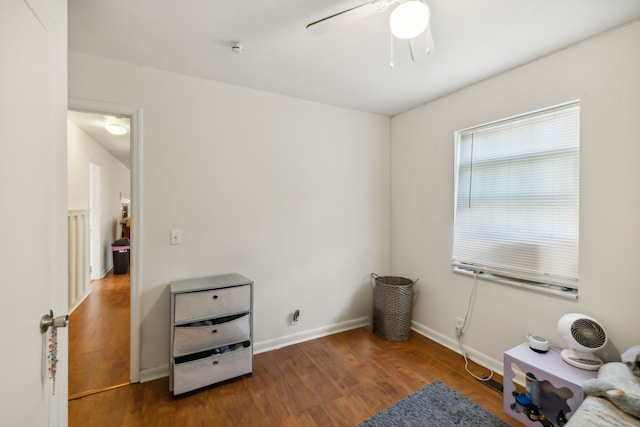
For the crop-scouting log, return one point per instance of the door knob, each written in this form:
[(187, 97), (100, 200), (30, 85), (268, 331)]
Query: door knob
[(47, 321)]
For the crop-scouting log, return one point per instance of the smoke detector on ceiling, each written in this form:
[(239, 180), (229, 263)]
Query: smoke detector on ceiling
[(237, 47)]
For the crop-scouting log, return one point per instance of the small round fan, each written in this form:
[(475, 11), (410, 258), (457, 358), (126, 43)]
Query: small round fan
[(584, 335)]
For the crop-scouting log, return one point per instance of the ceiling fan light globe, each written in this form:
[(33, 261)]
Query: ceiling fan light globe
[(409, 19)]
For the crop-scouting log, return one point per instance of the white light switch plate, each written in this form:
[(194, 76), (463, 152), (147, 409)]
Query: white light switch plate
[(176, 237)]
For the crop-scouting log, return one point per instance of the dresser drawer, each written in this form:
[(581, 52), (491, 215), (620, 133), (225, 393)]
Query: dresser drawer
[(194, 338), (193, 306), (212, 369)]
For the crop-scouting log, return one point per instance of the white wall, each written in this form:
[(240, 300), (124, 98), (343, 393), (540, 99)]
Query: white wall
[(115, 178), (292, 194), (604, 73)]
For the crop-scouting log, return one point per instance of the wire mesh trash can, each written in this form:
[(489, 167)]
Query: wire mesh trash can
[(392, 307)]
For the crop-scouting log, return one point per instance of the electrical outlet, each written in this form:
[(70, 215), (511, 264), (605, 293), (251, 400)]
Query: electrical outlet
[(459, 326), (295, 317)]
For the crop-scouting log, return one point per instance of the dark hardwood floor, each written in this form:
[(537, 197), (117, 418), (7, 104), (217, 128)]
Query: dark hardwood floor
[(338, 380), (99, 338)]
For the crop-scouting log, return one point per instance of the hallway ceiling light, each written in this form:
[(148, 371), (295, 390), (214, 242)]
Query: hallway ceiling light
[(115, 129)]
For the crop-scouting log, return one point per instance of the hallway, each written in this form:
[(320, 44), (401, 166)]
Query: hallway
[(99, 338)]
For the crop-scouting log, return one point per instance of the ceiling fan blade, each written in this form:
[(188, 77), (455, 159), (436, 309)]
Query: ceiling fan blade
[(422, 46), (335, 21)]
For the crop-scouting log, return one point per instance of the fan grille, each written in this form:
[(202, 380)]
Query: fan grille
[(588, 333)]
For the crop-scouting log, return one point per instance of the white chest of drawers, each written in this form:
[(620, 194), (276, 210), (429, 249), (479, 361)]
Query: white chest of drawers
[(211, 331)]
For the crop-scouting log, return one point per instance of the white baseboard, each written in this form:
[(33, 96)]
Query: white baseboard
[(79, 301), (452, 344), (154, 373), (273, 344), (102, 274), (286, 340), (86, 293)]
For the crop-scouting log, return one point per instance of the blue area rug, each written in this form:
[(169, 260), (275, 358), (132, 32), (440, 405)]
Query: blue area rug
[(434, 405)]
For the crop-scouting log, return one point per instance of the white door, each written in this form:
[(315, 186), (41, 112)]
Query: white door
[(95, 222), (33, 258)]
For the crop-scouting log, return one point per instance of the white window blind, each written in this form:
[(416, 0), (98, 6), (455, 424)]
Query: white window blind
[(516, 204)]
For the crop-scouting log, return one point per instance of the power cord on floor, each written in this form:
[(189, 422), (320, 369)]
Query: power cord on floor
[(460, 332), (467, 358)]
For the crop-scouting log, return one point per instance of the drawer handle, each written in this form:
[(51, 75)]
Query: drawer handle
[(215, 362), (215, 297), (215, 331)]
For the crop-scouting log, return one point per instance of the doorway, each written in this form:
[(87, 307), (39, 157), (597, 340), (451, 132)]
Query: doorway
[(101, 346), (94, 221)]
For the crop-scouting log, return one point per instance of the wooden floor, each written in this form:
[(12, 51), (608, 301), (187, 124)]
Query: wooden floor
[(99, 337), (338, 380)]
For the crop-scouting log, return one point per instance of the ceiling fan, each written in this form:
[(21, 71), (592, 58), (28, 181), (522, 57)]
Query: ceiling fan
[(409, 20)]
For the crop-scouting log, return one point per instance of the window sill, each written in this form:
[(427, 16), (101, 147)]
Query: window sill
[(549, 289)]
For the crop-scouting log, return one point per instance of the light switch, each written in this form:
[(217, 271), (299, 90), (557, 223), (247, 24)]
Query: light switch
[(176, 237)]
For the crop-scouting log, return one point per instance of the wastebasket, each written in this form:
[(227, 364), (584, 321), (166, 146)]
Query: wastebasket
[(392, 307), (120, 249)]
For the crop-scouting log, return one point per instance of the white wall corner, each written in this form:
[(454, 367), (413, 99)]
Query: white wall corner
[(452, 344), (151, 374)]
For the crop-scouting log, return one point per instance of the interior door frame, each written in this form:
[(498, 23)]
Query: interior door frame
[(99, 107), (95, 254)]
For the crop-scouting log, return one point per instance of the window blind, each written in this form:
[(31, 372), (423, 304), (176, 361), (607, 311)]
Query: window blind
[(517, 201)]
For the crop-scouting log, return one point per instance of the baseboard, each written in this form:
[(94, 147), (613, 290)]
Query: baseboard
[(273, 344), (154, 373), (452, 344), (286, 340), (103, 274), (79, 301), (84, 296)]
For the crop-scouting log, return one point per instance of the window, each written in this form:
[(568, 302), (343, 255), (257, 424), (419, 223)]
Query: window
[(516, 202)]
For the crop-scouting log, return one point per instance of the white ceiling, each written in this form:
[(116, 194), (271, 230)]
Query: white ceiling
[(348, 67), (93, 125)]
